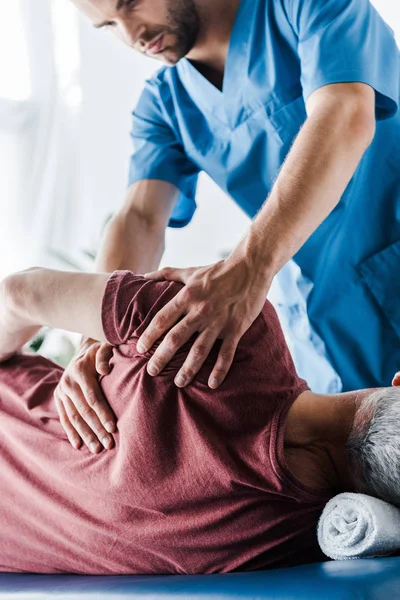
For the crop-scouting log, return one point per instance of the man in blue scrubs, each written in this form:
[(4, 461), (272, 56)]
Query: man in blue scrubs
[(291, 106)]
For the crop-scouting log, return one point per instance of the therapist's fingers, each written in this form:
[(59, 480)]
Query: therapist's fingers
[(168, 316), (172, 274), (224, 362), (175, 339), (196, 357)]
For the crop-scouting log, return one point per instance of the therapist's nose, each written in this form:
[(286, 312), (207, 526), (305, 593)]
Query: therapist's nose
[(129, 34)]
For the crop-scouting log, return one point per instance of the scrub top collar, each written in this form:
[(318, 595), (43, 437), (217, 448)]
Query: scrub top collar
[(223, 105)]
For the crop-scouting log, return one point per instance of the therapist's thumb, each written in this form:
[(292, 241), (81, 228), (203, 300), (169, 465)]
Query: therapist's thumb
[(172, 274)]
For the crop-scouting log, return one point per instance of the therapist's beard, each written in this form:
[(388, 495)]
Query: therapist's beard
[(184, 23)]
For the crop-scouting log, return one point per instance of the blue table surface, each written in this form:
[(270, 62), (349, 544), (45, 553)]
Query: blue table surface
[(377, 579)]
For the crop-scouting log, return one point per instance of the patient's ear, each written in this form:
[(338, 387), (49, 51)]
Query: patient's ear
[(396, 379)]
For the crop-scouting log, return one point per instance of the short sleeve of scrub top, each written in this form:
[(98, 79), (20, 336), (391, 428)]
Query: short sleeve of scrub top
[(346, 41), (158, 154)]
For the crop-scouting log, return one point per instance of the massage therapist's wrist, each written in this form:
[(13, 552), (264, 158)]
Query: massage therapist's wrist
[(257, 257)]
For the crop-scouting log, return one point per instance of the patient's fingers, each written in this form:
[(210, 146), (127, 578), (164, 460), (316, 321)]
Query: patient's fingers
[(81, 403), (86, 423), (81, 416), (72, 434), (83, 373), (196, 357), (85, 401), (224, 361), (81, 426), (103, 416), (103, 357), (174, 340)]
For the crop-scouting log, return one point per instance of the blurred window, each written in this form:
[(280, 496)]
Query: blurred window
[(15, 76), (67, 50)]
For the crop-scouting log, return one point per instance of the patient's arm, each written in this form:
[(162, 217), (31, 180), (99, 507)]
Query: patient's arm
[(36, 297)]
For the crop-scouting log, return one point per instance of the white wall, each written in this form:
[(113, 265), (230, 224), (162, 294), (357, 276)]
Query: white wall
[(112, 77)]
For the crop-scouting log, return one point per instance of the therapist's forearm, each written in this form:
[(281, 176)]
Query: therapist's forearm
[(131, 243), (310, 184)]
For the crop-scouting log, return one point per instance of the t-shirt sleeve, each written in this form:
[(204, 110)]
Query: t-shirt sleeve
[(129, 302), (159, 154), (346, 41)]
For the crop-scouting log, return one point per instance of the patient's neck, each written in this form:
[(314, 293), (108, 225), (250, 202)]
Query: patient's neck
[(322, 424)]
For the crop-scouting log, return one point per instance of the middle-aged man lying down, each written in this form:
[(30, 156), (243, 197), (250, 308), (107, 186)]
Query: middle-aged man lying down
[(195, 480)]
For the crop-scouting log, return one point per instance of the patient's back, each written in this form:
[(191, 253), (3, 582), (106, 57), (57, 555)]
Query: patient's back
[(196, 482)]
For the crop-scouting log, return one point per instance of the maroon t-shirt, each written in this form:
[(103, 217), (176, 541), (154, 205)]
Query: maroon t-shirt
[(197, 481)]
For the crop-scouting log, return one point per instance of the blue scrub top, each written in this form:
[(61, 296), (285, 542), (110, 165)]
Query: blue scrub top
[(281, 51)]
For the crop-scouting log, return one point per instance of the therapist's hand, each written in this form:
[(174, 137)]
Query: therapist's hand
[(218, 301), (84, 411)]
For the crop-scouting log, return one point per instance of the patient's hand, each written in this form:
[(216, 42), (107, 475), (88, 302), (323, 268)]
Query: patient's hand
[(84, 411)]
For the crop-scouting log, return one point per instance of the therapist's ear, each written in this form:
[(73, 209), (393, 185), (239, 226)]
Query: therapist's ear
[(396, 379)]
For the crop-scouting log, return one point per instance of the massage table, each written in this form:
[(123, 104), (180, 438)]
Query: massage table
[(372, 579)]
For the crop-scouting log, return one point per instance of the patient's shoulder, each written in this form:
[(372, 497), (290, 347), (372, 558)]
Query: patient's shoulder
[(130, 302)]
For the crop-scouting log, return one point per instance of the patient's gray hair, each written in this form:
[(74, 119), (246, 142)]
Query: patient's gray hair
[(373, 446)]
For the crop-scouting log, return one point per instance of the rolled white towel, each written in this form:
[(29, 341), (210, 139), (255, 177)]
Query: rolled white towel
[(358, 526)]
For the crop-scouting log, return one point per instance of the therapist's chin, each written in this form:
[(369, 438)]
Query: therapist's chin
[(168, 57), (173, 51)]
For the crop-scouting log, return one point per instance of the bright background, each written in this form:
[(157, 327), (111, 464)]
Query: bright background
[(66, 94)]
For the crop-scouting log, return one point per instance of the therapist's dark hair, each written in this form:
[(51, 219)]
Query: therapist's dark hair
[(373, 447)]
